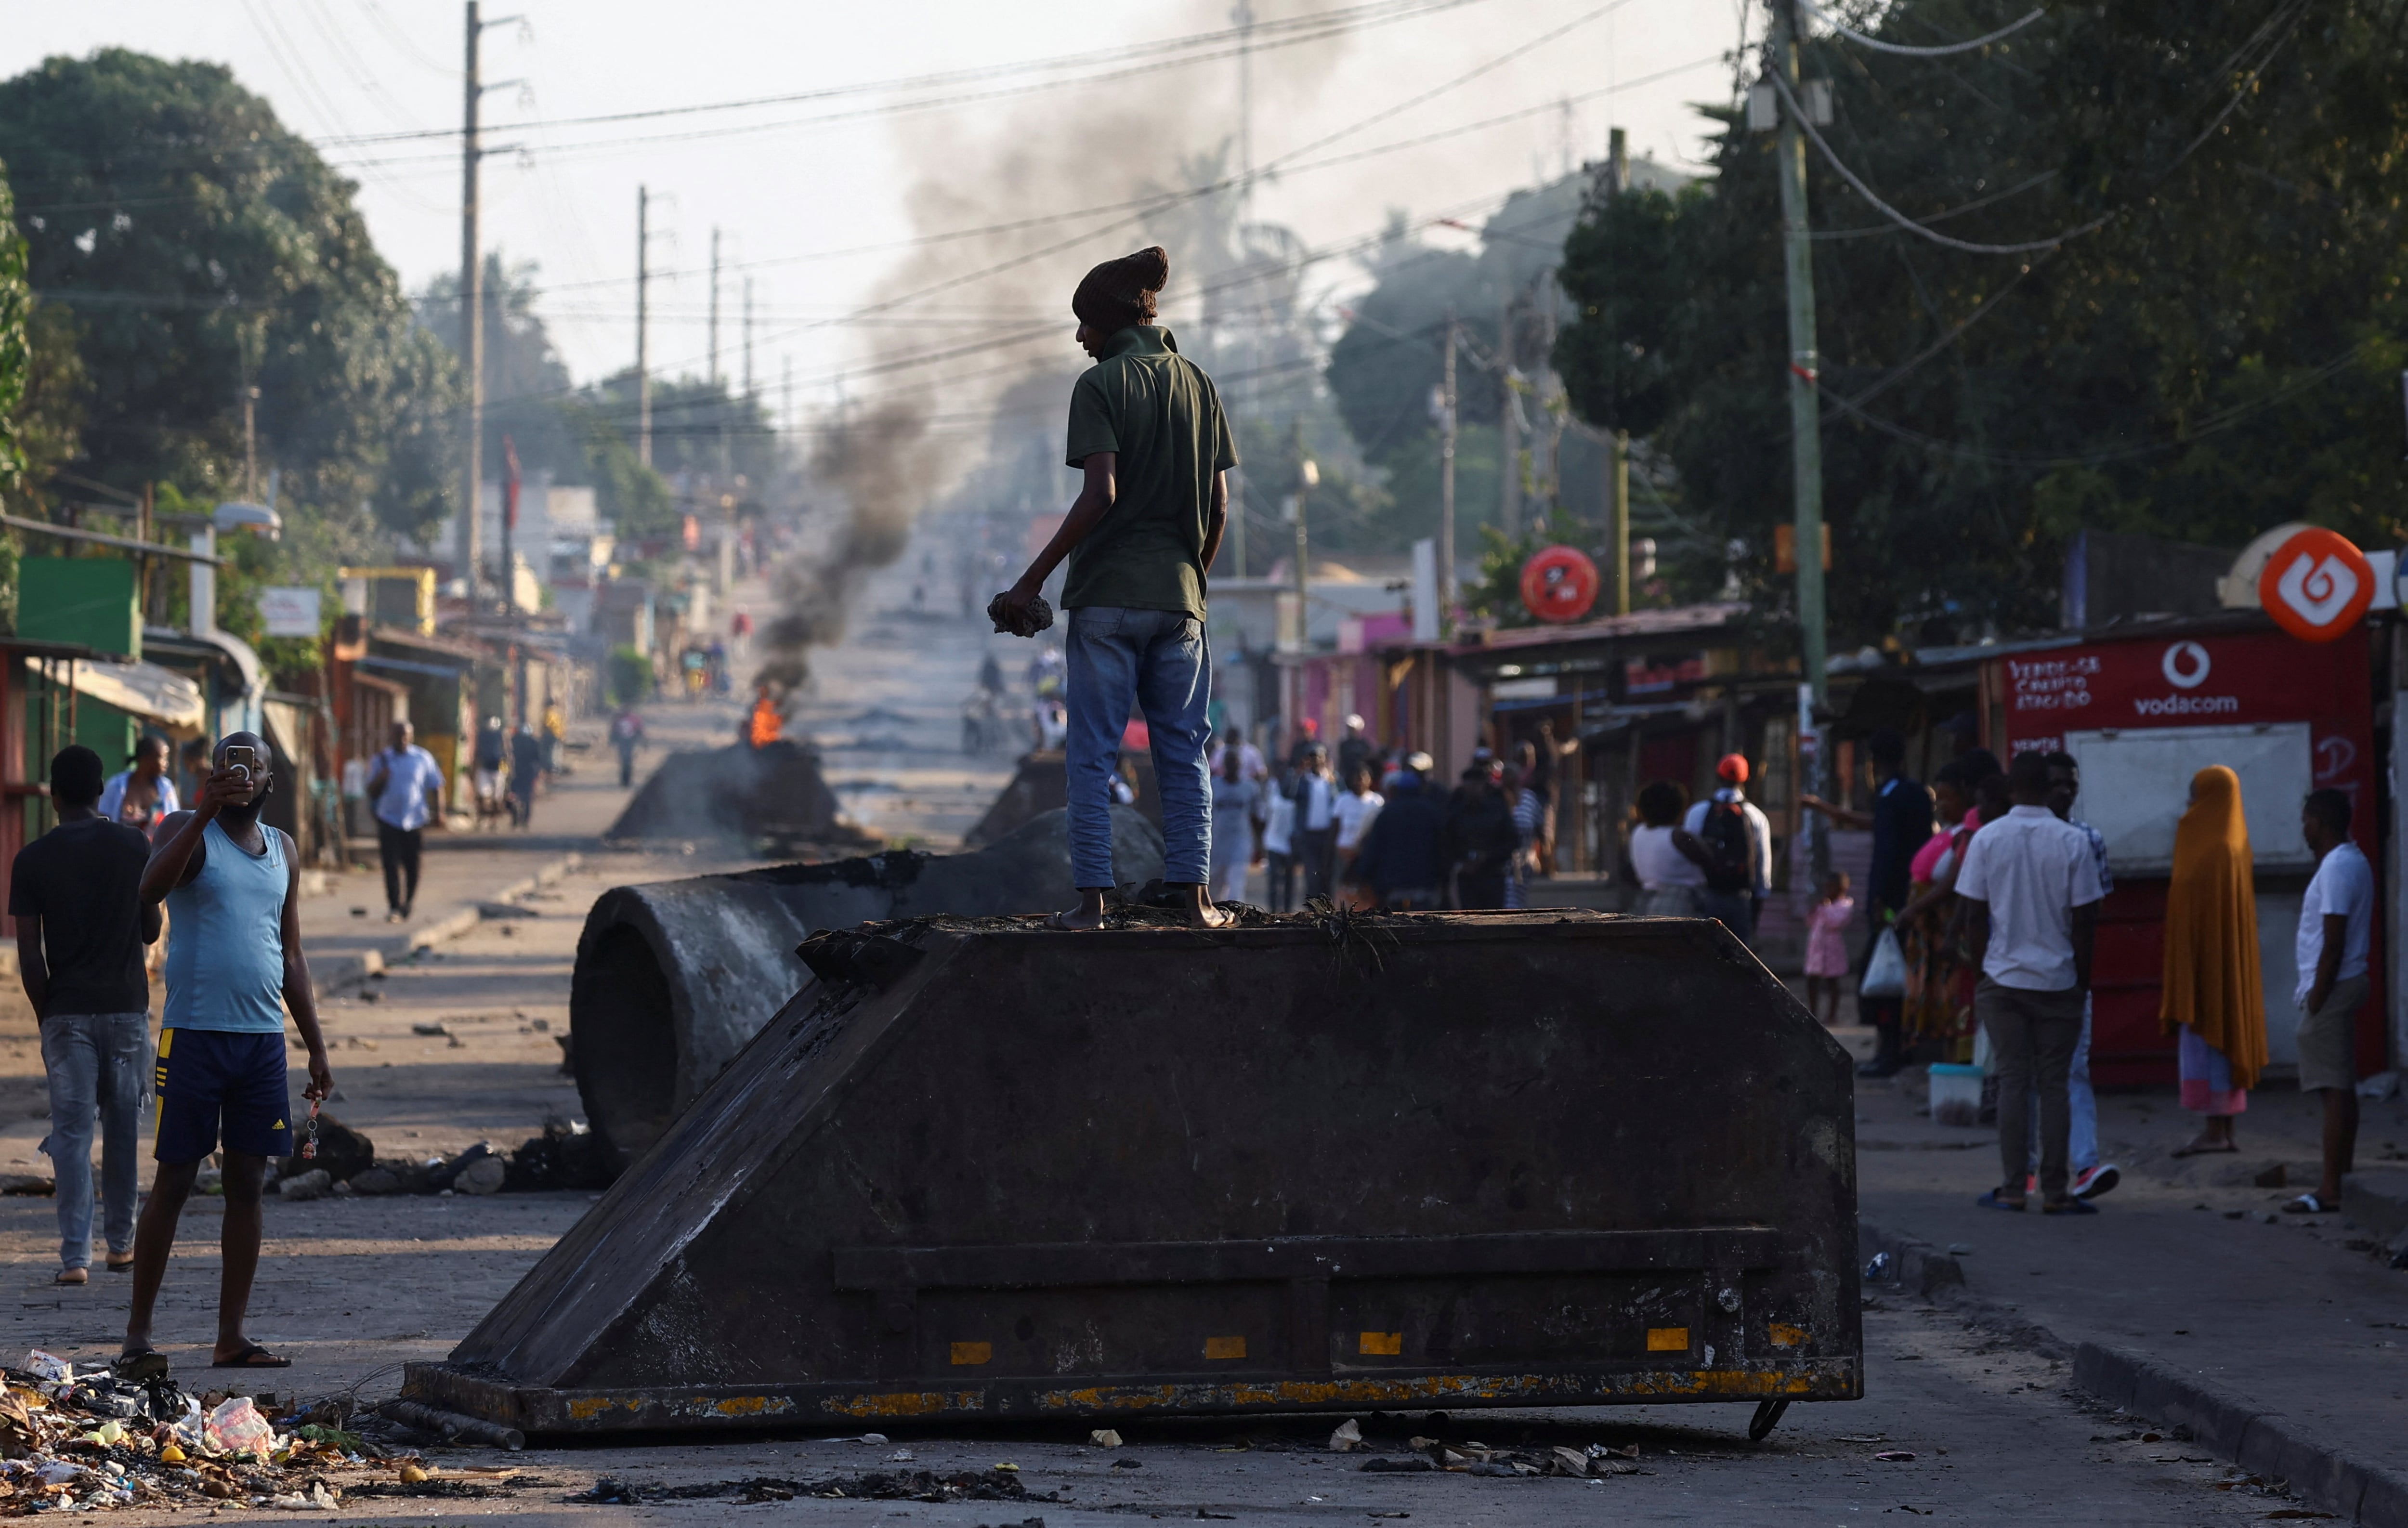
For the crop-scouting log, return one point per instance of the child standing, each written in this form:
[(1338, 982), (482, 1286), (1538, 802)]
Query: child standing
[(1826, 946)]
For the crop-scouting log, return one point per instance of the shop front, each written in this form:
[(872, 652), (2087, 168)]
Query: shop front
[(2142, 714)]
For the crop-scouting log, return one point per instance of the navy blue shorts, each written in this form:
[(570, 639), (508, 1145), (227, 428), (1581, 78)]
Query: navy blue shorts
[(208, 1074)]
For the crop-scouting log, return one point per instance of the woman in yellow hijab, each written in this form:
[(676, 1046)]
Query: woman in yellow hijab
[(2212, 994)]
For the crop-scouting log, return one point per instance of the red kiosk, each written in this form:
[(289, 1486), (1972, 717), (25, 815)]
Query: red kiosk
[(2285, 698)]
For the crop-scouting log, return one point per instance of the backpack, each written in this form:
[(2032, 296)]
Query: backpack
[(1725, 835)]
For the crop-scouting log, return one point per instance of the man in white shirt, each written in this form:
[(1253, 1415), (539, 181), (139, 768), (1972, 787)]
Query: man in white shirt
[(1734, 895), (1357, 809), (2336, 924), (2028, 892), (143, 796), (407, 786), (1315, 794)]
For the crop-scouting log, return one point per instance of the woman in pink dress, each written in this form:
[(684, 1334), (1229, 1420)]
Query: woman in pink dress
[(1826, 946)]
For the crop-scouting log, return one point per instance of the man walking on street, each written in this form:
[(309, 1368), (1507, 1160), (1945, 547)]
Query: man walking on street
[(232, 885), (77, 895), (1403, 859), (1737, 838), (2027, 897), (1901, 822), (2336, 928), (407, 786), (2091, 1177), (526, 767), (1148, 434), (626, 736), (1481, 839), (1315, 794)]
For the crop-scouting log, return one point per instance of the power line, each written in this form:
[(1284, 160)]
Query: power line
[(1174, 53), (1881, 46), (1806, 125)]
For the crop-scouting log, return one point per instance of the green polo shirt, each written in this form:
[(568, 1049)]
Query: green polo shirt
[(1159, 412)]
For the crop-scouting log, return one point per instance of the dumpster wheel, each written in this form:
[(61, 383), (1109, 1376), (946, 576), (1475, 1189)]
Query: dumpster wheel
[(1767, 1417)]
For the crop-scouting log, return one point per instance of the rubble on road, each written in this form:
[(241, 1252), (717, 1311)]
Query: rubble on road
[(566, 1155), (992, 1485), (1595, 1462), (76, 1438)]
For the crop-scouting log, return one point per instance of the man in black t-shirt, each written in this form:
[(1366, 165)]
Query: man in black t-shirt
[(75, 893)]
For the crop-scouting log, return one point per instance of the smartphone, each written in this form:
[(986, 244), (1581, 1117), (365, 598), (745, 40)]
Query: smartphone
[(244, 757)]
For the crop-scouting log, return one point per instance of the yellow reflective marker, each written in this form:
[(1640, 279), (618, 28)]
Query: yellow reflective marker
[(1788, 1337), (1382, 1344), (1668, 1339), (974, 1353), (1224, 1346)]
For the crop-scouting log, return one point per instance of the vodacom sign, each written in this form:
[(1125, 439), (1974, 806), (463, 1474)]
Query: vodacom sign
[(2316, 585)]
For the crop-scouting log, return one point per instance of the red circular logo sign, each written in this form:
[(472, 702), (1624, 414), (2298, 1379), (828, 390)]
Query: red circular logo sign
[(2315, 586), (1559, 584)]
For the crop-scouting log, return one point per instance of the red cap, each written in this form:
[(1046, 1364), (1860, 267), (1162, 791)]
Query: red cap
[(1733, 767)]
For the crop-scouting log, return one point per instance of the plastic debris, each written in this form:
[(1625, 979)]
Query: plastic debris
[(1347, 1438), (1104, 1438), (1877, 1270)]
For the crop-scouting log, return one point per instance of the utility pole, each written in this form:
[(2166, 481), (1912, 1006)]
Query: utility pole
[(714, 303), (786, 410), (643, 366), (251, 444), (1307, 476), (748, 337), (1509, 447), (1805, 432), (1617, 172), (472, 315), (1446, 480)]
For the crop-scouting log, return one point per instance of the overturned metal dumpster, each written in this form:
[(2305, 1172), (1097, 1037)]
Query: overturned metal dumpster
[(772, 795), (983, 1171), (674, 976)]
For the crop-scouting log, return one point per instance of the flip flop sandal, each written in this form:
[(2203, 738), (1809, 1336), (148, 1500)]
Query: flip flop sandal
[(2233, 1149), (2310, 1204), (2070, 1206), (139, 1368), (72, 1276), (126, 1266), (1994, 1200), (252, 1357)]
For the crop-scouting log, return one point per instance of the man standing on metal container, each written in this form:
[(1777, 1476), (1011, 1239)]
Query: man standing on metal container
[(1146, 429)]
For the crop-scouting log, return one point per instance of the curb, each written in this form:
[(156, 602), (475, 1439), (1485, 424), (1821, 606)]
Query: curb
[(350, 970), (2259, 1441), (1921, 1267)]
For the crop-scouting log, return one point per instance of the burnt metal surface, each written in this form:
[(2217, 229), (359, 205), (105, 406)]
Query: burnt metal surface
[(673, 978), (1449, 1160)]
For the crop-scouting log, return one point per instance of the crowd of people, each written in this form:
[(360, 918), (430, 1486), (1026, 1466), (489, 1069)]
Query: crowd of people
[(1367, 826), (1991, 888)]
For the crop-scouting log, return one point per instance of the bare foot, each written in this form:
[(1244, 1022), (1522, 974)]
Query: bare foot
[(2207, 1146), (1199, 908), (1088, 914), (71, 1276)]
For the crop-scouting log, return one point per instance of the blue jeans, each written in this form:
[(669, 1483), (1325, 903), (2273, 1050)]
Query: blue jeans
[(2081, 1145), (99, 1065), (1161, 660)]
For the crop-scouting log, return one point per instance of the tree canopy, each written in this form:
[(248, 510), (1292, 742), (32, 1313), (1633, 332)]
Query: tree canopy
[(203, 250), (2213, 349)]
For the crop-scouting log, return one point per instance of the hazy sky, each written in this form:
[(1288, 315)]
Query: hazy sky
[(799, 200)]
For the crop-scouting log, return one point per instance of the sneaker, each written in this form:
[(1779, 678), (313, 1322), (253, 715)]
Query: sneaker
[(2091, 1182)]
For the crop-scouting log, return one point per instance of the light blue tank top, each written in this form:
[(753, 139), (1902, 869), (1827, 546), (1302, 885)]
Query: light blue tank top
[(225, 940)]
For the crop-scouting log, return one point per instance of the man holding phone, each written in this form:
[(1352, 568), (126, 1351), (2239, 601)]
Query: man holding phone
[(232, 886)]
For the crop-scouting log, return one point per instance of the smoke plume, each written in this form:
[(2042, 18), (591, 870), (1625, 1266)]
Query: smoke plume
[(1081, 147)]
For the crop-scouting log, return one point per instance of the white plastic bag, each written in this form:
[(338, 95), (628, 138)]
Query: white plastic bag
[(1886, 973)]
